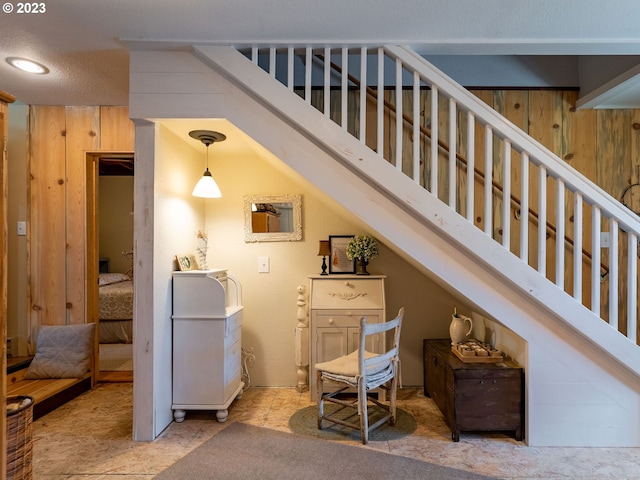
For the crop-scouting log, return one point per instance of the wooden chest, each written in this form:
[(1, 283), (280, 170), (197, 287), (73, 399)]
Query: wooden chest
[(474, 396)]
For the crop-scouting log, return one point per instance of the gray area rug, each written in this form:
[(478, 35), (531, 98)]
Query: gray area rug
[(305, 422), (245, 452)]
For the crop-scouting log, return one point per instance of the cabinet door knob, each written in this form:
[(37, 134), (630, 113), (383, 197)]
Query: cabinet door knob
[(331, 320)]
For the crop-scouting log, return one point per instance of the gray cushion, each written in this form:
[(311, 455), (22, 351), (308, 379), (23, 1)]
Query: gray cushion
[(63, 351)]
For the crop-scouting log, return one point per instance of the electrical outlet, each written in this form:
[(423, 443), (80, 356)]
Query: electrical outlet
[(263, 264)]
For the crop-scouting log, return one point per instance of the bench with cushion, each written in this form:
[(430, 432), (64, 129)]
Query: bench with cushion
[(48, 393)]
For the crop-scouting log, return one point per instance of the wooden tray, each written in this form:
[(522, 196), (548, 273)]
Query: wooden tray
[(477, 359)]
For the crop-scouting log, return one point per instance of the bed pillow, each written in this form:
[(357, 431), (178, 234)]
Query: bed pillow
[(62, 351), (109, 278)]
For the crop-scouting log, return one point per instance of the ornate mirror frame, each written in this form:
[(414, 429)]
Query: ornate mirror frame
[(293, 236)]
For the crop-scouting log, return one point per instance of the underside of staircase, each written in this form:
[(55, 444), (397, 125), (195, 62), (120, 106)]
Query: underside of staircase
[(582, 375)]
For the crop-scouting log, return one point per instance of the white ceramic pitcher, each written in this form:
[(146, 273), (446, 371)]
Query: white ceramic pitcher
[(458, 329)]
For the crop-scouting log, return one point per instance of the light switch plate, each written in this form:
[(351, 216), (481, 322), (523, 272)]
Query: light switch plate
[(22, 228), (263, 264), (605, 240)]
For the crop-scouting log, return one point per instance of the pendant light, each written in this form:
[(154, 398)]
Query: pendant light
[(207, 186)]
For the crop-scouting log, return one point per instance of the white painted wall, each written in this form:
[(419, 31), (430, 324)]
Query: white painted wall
[(497, 335), (166, 215)]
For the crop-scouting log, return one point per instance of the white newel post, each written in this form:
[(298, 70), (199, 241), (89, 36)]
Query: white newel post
[(302, 340)]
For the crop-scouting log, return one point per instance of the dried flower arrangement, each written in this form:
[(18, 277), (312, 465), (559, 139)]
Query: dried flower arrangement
[(202, 246)]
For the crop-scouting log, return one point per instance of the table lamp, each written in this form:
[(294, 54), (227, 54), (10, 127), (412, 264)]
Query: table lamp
[(324, 251)]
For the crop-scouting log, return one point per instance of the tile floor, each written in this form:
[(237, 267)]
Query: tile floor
[(90, 438)]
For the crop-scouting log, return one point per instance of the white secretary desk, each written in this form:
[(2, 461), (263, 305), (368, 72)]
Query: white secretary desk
[(336, 305), (207, 332)]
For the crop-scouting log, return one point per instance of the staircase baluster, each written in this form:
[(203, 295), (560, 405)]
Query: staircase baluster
[(380, 116), (524, 207), (434, 141), (453, 130), (596, 276), (327, 82), (613, 273), (542, 220), (471, 154), (560, 248), (308, 62), (506, 194), (290, 63), (488, 177), (343, 88), (363, 95), (632, 287), (417, 139), (272, 62), (398, 112), (577, 247)]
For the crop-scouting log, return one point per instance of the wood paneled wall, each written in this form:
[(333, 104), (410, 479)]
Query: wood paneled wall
[(60, 139)]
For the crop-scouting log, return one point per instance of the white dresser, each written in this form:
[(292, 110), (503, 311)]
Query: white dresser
[(207, 355), (336, 305)]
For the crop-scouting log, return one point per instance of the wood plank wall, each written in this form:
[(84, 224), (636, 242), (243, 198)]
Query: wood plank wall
[(60, 138)]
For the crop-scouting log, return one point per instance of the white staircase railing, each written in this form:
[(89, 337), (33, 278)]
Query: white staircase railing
[(463, 152)]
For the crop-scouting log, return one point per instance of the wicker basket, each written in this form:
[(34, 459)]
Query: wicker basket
[(19, 438)]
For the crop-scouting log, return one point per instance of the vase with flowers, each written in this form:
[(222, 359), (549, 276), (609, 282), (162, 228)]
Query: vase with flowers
[(362, 248)]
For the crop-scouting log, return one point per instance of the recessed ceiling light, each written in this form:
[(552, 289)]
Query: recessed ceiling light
[(27, 65)]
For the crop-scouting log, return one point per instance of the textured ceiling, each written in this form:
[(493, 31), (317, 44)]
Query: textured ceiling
[(83, 42)]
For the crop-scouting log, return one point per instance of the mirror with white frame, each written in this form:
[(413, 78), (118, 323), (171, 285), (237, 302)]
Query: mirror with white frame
[(273, 218)]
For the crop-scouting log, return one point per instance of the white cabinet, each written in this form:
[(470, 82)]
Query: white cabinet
[(207, 332), (336, 305)]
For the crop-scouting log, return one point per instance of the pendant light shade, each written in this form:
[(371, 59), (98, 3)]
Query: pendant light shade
[(207, 186)]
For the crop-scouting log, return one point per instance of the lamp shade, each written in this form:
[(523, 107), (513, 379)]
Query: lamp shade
[(324, 249), (206, 187)]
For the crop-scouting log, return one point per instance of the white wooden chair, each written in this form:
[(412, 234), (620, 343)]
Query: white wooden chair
[(364, 371)]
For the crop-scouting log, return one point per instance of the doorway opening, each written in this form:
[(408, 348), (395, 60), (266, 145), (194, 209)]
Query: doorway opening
[(110, 178)]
